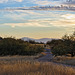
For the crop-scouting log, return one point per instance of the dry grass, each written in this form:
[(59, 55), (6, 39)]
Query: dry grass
[(62, 58), (65, 60), (34, 68), (69, 62)]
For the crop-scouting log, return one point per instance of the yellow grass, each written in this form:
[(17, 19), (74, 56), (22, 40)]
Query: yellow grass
[(34, 68), (43, 53), (65, 60), (62, 58)]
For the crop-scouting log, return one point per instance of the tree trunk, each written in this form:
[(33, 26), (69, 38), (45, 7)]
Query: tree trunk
[(72, 54)]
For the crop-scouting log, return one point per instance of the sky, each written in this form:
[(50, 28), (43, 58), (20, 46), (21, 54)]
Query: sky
[(35, 23)]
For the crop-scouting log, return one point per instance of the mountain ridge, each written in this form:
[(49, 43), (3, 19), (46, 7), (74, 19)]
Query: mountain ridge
[(44, 40)]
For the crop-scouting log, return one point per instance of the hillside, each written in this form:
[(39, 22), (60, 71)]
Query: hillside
[(44, 40)]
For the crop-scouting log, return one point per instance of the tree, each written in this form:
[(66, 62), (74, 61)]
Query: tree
[(69, 41), (12, 46), (59, 49), (1, 38), (63, 46), (54, 42), (32, 41)]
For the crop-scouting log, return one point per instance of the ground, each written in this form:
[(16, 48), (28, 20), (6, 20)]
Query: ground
[(64, 60)]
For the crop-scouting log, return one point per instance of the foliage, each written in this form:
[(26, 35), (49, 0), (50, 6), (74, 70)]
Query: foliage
[(34, 42), (12, 46), (70, 43), (63, 46)]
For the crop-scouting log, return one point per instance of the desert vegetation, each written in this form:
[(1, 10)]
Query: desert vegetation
[(12, 46), (34, 68), (63, 46), (31, 66)]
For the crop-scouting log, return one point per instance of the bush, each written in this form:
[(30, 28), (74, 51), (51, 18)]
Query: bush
[(63, 46), (11, 46)]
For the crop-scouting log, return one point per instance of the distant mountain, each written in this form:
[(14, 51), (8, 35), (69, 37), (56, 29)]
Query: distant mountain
[(44, 40), (27, 39)]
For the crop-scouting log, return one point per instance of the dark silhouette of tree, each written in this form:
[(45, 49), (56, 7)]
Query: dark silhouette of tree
[(12, 46), (1, 38), (32, 41), (70, 43), (63, 46)]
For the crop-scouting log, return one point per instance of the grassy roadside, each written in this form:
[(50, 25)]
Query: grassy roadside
[(26, 65), (34, 68), (65, 60)]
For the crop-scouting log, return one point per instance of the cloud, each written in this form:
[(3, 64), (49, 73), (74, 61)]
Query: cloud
[(67, 20), (37, 2), (21, 15), (28, 24), (38, 19), (46, 2), (54, 2), (30, 3), (69, 16), (70, 2), (64, 23), (3, 1), (18, 0), (44, 23)]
